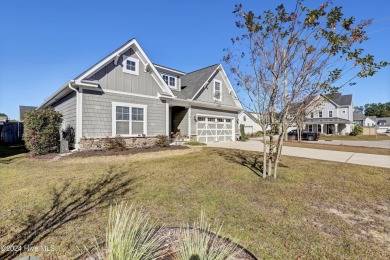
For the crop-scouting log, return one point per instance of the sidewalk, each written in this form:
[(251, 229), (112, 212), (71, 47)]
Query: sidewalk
[(327, 155)]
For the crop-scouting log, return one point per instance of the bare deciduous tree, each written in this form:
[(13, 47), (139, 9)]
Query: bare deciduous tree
[(285, 59)]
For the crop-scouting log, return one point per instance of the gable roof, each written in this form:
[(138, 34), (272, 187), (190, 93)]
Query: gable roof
[(341, 100), (358, 116), (193, 81), (251, 116), (115, 55), (23, 110), (383, 121)]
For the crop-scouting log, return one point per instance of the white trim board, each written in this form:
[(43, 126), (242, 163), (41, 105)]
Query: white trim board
[(168, 69), (143, 57), (206, 82), (130, 105), (129, 94)]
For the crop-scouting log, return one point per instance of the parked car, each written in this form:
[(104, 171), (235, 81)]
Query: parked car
[(388, 131), (305, 135)]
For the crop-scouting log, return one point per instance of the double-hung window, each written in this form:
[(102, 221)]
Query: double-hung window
[(128, 119), (217, 90), (170, 80), (130, 65), (330, 113), (320, 114)]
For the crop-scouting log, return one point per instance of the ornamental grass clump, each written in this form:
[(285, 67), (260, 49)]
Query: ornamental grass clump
[(200, 243), (130, 235)]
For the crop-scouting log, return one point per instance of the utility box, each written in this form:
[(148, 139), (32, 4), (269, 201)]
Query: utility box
[(64, 146)]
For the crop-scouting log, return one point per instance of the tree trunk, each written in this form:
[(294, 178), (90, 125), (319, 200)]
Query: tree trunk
[(279, 149), (264, 153)]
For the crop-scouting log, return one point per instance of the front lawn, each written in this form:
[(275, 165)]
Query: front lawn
[(315, 209)]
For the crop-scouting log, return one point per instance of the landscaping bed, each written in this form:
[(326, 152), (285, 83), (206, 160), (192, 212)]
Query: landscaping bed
[(111, 152)]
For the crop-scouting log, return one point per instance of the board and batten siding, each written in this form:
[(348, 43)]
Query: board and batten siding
[(170, 73), (207, 94), (211, 112), (97, 113), (67, 107), (112, 77)]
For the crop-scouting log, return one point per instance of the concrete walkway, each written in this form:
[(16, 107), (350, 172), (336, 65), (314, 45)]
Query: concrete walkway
[(379, 144), (327, 155)]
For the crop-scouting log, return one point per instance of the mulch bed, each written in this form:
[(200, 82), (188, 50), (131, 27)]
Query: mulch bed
[(170, 243), (130, 151)]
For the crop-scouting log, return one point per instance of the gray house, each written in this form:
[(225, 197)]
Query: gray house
[(332, 115), (126, 94)]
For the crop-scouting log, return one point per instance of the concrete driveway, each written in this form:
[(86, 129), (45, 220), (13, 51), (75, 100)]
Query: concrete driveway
[(336, 156)]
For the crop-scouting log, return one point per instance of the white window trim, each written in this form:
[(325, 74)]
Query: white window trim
[(170, 76), (124, 67), (220, 91), (130, 106), (330, 111)]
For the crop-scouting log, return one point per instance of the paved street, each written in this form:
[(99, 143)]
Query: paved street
[(336, 156)]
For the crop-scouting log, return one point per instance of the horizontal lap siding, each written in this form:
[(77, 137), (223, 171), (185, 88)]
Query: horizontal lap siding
[(67, 107), (214, 112), (97, 113)]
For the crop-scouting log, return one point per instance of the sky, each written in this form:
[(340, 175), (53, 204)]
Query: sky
[(43, 44)]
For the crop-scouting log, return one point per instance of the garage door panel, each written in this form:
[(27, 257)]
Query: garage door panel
[(211, 129)]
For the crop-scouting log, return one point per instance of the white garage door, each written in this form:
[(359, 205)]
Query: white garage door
[(214, 129), (248, 129)]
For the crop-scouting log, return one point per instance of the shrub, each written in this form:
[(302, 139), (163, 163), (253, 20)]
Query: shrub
[(196, 143), (275, 129), (69, 134), (116, 143), (130, 235), (162, 141), (42, 130), (244, 137), (200, 243), (358, 129)]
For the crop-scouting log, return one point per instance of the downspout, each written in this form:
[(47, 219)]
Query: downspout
[(78, 118)]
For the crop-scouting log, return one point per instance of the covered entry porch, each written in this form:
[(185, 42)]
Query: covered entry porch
[(328, 126)]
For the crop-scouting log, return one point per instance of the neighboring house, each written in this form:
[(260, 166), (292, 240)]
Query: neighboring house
[(383, 123), (126, 94), (359, 118), (370, 121), (332, 115), (23, 110), (250, 122), (362, 120)]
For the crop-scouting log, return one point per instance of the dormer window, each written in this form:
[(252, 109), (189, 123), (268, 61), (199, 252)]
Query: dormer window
[(170, 80), (217, 90), (130, 65)]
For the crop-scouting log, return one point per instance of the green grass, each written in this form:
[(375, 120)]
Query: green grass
[(315, 209), (194, 143), (9, 150)]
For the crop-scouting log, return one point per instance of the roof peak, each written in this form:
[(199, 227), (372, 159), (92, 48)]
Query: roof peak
[(217, 64)]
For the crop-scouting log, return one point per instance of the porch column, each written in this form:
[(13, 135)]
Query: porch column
[(336, 128), (322, 128)]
